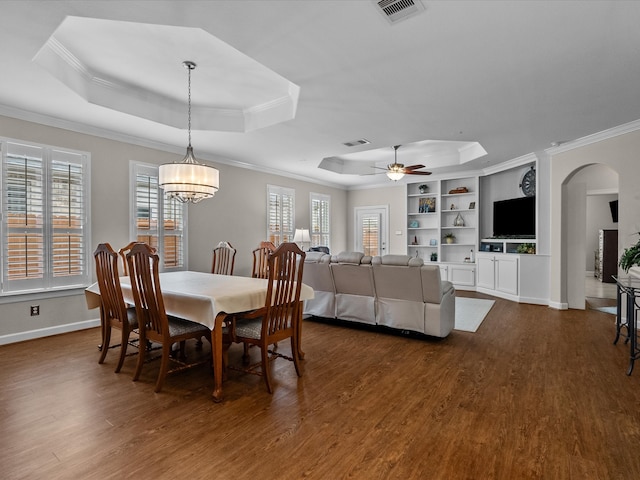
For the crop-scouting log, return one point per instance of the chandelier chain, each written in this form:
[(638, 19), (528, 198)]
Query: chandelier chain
[(189, 71)]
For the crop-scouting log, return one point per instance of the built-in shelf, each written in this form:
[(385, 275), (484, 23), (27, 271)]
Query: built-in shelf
[(428, 228)]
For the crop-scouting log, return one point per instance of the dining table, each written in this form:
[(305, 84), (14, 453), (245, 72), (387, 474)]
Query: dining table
[(207, 299)]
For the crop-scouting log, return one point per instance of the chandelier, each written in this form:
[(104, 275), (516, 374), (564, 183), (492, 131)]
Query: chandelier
[(188, 181)]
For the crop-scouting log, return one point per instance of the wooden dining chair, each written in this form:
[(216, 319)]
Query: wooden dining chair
[(114, 312), (260, 260), (154, 323), (279, 319), (224, 257), (123, 255)]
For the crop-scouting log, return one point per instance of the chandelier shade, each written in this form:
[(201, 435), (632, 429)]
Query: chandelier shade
[(189, 181)]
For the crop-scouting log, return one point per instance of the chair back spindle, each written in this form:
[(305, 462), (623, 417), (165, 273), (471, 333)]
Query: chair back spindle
[(224, 256)]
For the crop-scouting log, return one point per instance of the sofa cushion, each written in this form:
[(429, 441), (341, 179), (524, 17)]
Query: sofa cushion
[(317, 257), (398, 260), (351, 258)]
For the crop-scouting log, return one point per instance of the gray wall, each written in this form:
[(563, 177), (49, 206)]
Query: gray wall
[(237, 213)]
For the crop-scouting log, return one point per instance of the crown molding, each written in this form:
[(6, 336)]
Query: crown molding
[(143, 142), (596, 137)]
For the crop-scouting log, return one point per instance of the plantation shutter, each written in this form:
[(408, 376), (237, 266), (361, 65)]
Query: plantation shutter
[(371, 235), (68, 216), (45, 199), (320, 221), (150, 205), (280, 214)]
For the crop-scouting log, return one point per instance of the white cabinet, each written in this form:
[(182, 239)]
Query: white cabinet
[(521, 278), (498, 273), (463, 276)]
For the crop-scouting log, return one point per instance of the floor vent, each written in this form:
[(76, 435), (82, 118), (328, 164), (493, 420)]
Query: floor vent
[(396, 10)]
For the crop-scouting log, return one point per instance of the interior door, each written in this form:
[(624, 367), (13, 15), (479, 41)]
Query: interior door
[(371, 235)]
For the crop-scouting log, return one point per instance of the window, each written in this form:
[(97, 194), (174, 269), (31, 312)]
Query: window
[(280, 224), (149, 204), (45, 226), (320, 220)]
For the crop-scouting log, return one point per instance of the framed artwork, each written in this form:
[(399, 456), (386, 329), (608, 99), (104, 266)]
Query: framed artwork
[(431, 204), (472, 205), (427, 205)]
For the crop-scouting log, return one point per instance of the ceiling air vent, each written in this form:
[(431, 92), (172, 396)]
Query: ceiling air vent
[(396, 10), (355, 143)]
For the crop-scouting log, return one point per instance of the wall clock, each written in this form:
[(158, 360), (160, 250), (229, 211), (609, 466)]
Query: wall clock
[(528, 184)]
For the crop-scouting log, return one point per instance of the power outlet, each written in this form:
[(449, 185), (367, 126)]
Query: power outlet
[(35, 310)]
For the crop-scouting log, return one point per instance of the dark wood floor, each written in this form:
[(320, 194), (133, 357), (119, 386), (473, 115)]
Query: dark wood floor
[(534, 393)]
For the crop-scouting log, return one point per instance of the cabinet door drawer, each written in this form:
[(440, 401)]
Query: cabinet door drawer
[(507, 275), (462, 275)]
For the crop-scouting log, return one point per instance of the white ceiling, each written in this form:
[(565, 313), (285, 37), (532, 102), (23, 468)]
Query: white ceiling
[(513, 76)]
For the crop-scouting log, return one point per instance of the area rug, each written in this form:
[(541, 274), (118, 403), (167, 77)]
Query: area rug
[(470, 312)]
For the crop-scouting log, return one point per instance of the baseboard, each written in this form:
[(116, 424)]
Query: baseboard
[(559, 305), (49, 331)]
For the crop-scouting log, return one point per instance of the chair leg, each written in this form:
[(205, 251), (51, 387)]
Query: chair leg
[(164, 366), (266, 367), (124, 342), (105, 343), (141, 354), (245, 354), (294, 354)]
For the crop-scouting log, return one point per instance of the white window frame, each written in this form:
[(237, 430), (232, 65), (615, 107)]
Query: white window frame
[(286, 205), (72, 203), (139, 168), (320, 237)]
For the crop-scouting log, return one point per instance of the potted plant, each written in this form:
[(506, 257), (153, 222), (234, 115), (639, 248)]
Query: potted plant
[(529, 248), (424, 188), (449, 237), (630, 257)]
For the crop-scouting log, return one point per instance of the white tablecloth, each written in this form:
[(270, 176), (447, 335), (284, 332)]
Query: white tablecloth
[(201, 296)]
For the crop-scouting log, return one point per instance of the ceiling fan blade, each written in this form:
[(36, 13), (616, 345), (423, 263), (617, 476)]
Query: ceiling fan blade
[(414, 167), (417, 173)]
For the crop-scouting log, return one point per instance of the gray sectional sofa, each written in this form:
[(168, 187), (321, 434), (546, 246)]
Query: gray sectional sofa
[(397, 291)]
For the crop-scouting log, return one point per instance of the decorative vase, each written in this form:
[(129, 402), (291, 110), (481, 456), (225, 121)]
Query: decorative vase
[(459, 221)]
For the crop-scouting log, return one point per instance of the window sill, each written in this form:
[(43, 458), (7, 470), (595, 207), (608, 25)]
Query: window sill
[(16, 297)]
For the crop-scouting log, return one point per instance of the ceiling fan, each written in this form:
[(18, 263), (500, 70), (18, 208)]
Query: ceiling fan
[(395, 170)]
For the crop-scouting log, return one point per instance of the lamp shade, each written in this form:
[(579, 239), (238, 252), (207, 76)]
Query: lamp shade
[(302, 235), (189, 182)]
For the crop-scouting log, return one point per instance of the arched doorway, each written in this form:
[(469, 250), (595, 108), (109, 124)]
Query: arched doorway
[(587, 192)]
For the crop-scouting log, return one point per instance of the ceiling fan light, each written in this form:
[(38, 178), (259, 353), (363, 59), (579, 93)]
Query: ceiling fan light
[(395, 176)]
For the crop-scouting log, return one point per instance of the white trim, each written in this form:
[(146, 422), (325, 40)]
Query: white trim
[(513, 163), (384, 234), (49, 331), (559, 305), (142, 142), (28, 296), (596, 137)]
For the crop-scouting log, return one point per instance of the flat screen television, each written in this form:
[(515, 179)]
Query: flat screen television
[(515, 217), (613, 205)]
